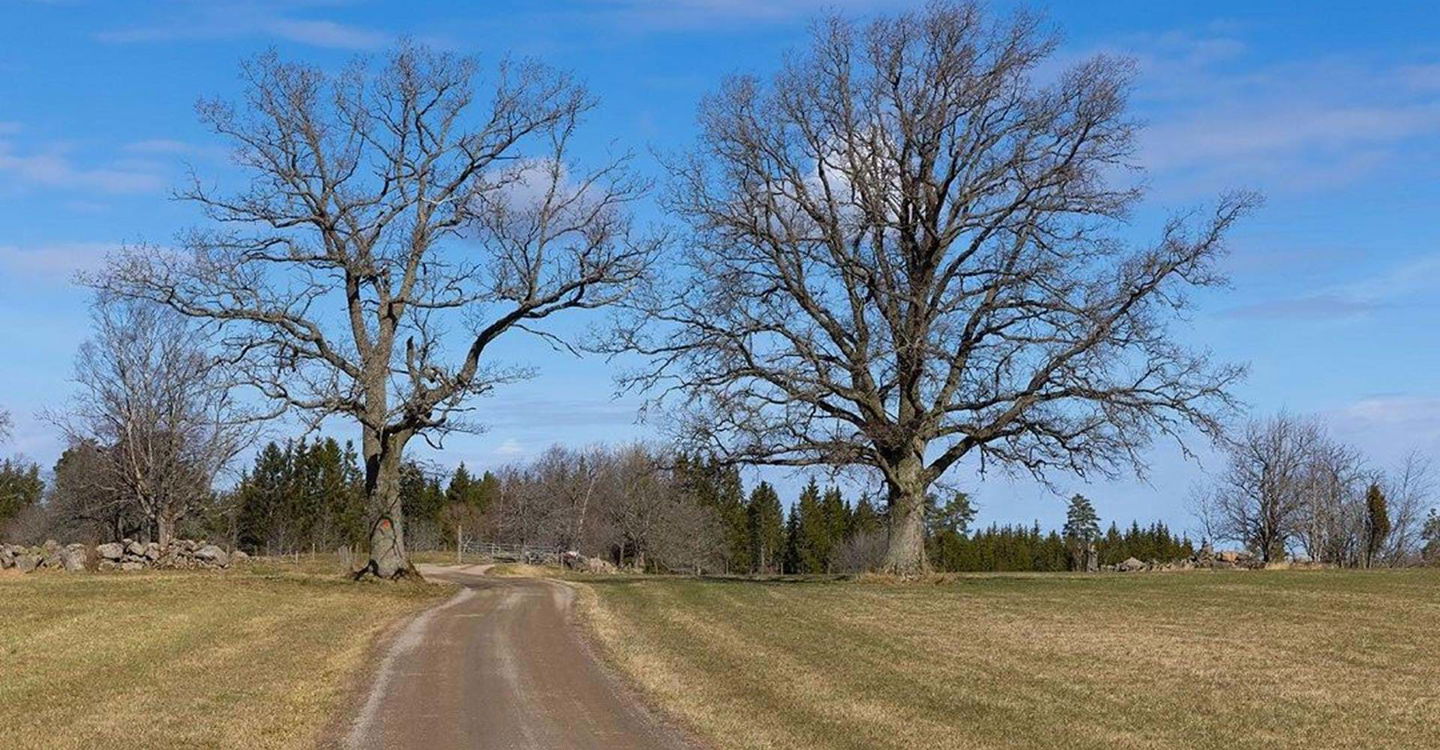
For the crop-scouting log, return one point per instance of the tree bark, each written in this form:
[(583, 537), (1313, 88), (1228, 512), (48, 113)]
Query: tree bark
[(905, 553), (388, 556), (164, 529)]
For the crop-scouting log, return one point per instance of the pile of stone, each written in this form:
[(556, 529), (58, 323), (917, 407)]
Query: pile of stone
[(125, 555), (573, 560), (1205, 559), (70, 557)]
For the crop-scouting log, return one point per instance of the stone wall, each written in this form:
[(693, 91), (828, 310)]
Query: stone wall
[(124, 555), (1205, 559)]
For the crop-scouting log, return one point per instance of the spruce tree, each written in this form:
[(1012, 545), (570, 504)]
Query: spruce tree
[(765, 526), (837, 521), (792, 560), (1377, 523), (20, 487), (1430, 538), (812, 529), (864, 519)]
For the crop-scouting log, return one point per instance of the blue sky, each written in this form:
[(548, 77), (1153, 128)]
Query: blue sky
[(1333, 113)]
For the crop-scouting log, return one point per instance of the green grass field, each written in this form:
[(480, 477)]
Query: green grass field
[(263, 657), (1262, 659)]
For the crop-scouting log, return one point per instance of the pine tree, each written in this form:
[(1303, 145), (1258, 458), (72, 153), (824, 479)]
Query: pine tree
[(1082, 529)]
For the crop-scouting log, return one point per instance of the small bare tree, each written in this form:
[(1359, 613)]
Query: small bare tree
[(1410, 489), (392, 216), (906, 252), (155, 418), (1332, 487), (1260, 499)]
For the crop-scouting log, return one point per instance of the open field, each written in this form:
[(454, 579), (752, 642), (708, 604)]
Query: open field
[(257, 658), (1275, 659)]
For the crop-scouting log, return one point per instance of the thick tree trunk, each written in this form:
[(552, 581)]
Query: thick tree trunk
[(388, 558), (905, 553)]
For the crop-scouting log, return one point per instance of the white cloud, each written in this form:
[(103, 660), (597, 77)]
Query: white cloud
[(685, 15), (1215, 118), (1416, 282), (159, 146), (1390, 426), (235, 20), (509, 448), (56, 262), (54, 167), (327, 34)]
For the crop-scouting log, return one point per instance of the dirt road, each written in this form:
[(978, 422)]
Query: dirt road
[(499, 665)]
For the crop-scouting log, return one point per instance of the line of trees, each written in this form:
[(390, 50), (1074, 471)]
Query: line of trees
[(1290, 488)]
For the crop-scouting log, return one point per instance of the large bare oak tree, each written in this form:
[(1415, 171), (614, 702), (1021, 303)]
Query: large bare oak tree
[(906, 251), (396, 223)]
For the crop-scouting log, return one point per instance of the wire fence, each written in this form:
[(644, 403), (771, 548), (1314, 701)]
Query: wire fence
[(530, 554)]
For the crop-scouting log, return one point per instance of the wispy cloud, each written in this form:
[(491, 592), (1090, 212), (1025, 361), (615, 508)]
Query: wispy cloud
[(509, 448), (1311, 307), (229, 20), (1416, 281), (1217, 118), (54, 167), (55, 262), (639, 16), (1391, 424), (321, 33)]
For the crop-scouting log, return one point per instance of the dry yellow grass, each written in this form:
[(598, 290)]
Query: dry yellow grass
[(522, 570), (258, 658), (1274, 659)]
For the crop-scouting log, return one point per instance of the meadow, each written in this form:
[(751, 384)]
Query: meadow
[(1243, 659), (264, 657)]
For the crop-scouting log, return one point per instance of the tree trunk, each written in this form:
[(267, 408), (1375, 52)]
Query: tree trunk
[(164, 529), (388, 558), (905, 553)]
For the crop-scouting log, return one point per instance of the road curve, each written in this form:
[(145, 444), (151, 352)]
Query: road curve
[(499, 665)]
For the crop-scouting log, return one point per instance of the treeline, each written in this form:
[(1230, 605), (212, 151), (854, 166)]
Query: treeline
[(310, 495), (1022, 548), (1289, 488), (633, 505)]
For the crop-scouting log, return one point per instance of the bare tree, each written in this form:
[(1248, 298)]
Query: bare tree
[(389, 214), (906, 253), (1410, 490), (1260, 499), (640, 492), (1331, 490), (4, 425), (625, 503), (154, 420), (690, 537)]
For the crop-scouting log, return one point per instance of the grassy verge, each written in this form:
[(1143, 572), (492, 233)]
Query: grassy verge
[(262, 657), (1279, 659)]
